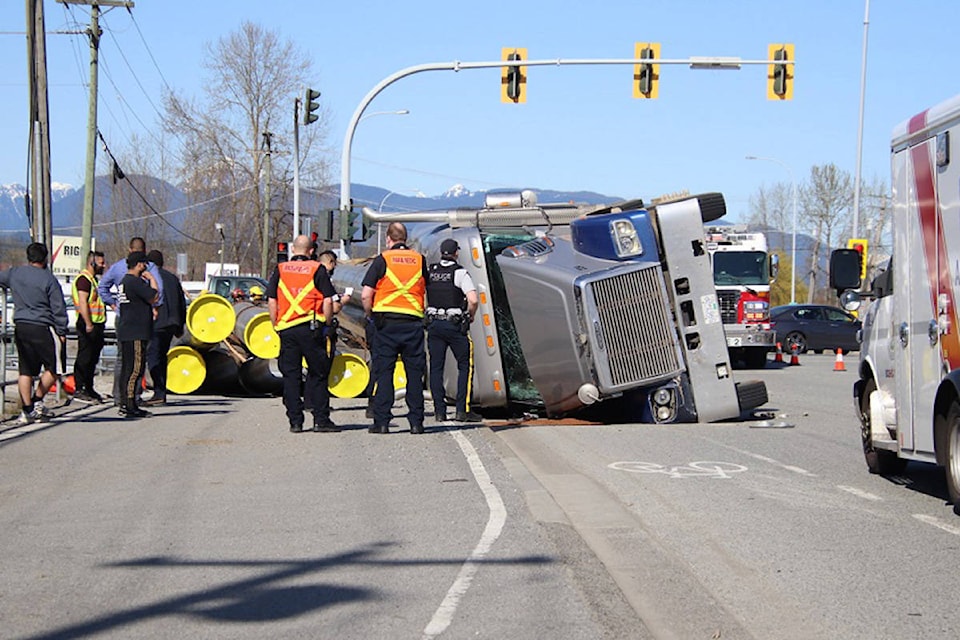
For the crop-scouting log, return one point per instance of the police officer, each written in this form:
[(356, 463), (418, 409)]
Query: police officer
[(393, 295), (452, 299), (299, 298)]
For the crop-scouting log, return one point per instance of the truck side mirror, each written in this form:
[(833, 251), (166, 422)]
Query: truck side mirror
[(844, 270), (774, 266)]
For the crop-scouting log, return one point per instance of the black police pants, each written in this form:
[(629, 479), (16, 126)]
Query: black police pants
[(440, 335), (299, 343), (402, 338), (89, 346)]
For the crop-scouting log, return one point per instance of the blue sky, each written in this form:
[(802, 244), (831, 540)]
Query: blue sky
[(580, 129)]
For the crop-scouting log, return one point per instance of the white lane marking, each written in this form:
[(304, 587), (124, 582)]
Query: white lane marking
[(949, 528), (860, 493), (498, 516), (777, 463)]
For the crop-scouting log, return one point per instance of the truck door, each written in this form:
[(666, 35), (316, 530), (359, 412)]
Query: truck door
[(923, 276)]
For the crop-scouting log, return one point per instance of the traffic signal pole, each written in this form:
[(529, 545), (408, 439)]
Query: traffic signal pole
[(693, 62)]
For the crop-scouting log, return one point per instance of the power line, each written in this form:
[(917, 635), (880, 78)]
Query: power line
[(143, 199), (149, 52)]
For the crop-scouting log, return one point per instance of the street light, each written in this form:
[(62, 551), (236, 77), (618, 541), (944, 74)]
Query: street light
[(793, 249), (400, 112), (223, 242), (380, 210), (345, 155)]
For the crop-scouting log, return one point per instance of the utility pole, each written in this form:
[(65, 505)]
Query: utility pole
[(268, 168), (86, 228), (41, 218)]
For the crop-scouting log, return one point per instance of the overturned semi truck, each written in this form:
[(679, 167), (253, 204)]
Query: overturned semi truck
[(608, 311)]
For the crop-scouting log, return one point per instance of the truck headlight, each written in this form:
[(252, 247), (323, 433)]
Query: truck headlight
[(626, 242), (755, 311)]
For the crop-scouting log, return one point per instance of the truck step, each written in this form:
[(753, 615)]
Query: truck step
[(751, 394), (885, 444)]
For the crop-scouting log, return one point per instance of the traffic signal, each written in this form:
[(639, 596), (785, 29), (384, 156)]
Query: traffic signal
[(646, 76), (513, 79), (348, 224), (860, 246), (780, 76), (282, 252), (310, 106)]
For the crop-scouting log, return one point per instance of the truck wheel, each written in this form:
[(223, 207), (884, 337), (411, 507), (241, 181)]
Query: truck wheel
[(879, 461), (755, 358), (798, 339), (953, 455)]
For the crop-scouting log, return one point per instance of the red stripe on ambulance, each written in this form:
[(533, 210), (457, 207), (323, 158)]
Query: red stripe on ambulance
[(934, 245)]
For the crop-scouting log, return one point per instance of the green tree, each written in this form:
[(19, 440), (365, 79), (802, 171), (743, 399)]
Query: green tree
[(781, 287)]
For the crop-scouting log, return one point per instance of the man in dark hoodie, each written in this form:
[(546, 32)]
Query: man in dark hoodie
[(171, 316), (40, 328), (135, 296)]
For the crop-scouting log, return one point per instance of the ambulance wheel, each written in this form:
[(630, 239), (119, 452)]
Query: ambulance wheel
[(953, 455), (795, 338), (879, 461)]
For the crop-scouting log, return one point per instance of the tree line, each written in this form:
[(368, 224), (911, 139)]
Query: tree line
[(825, 216)]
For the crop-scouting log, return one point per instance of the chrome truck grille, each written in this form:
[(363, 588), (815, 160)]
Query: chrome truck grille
[(728, 306), (634, 324)]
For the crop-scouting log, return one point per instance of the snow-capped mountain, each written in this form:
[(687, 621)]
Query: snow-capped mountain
[(457, 191), (13, 215)]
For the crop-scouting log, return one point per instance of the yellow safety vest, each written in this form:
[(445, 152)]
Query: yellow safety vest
[(98, 311)]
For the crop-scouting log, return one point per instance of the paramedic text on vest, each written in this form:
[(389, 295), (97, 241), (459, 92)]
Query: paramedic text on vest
[(393, 295), (299, 298), (451, 307)]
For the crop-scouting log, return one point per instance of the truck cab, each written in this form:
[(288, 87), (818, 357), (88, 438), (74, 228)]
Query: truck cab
[(604, 309), (742, 273)]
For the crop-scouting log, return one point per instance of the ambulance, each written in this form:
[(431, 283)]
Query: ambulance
[(908, 391)]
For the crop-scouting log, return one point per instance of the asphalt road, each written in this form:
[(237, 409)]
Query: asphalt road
[(211, 520)]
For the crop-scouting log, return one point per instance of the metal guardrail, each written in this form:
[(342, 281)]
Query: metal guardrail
[(6, 330)]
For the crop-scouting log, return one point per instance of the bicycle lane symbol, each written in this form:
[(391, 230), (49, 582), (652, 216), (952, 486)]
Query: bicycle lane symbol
[(698, 469)]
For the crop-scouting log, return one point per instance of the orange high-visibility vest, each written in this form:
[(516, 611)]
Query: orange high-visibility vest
[(402, 289), (298, 300), (98, 311)]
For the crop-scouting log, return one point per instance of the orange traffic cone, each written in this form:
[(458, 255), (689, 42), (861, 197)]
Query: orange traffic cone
[(794, 356), (838, 364), (70, 384), (779, 356)]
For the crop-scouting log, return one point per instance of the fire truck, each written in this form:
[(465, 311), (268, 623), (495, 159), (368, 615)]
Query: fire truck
[(602, 310), (907, 395), (742, 273)]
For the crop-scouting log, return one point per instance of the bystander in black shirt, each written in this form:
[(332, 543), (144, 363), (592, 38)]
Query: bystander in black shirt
[(135, 318)]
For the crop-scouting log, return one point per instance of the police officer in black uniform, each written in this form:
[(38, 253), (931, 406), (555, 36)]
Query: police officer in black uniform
[(451, 307)]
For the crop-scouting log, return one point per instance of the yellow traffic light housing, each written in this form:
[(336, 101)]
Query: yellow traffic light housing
[(860, 246), (513, 79), (646, 76), (780, 76)]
